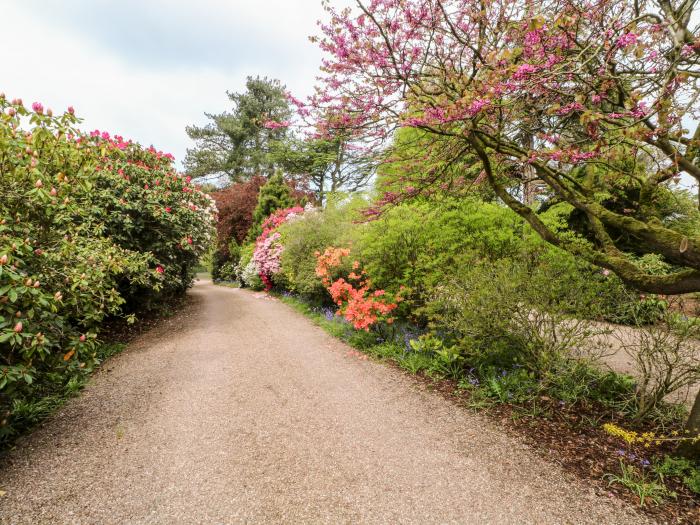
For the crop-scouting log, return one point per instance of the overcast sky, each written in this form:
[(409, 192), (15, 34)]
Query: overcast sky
[(147, 68)]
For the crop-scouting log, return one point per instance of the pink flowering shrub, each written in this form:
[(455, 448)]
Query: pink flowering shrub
[(91, 226), (268, 249), (144, 205)]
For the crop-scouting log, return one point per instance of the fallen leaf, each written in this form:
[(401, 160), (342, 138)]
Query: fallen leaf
[(68, 355)]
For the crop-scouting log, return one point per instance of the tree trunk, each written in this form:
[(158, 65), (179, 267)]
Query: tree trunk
[(688, 448)]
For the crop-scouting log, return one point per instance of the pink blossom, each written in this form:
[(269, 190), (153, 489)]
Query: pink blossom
[(271, 124), (477, 105), (524, 70), (37, 108), (626, 40)]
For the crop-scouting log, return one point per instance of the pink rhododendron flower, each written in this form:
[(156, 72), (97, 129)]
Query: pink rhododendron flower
[(268, 249), (37, 108)]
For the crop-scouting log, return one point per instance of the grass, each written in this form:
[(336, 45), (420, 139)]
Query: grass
[(228, 284), (639, 482)]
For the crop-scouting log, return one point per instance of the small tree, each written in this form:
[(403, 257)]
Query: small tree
[(235, 205), (274, 195), (327, 164)]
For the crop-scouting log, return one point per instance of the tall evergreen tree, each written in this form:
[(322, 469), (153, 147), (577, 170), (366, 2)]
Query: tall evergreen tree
[(238, 144)]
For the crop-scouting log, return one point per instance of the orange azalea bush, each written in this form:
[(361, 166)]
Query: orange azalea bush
[(353, 296)]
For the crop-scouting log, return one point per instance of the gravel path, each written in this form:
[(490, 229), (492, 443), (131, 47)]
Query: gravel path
[(239, 410)]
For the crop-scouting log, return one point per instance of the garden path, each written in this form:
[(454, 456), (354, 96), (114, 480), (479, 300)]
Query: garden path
[(239, 409)]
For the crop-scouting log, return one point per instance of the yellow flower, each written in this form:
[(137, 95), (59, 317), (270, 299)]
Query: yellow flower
[(627, 436)]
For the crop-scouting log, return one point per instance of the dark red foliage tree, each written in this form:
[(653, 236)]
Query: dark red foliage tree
[(236, 204)]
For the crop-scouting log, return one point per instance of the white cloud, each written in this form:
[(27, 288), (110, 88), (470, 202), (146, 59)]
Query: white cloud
[(54, 55)]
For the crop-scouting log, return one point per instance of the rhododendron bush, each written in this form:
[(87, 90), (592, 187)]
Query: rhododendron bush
[(91, 226), (235, 205), (268, 248), (352, 293), (594, 101)]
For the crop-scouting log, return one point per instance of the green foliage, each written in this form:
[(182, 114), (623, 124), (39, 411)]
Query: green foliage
[(274, 195), (419, 245), (638, 481), (32, 405), (246, 271), (445, 360), (415, 158), (313, 232), (414, 362), (422, 245), (234, 250), (328, 165), (684, 469), (224, 267)]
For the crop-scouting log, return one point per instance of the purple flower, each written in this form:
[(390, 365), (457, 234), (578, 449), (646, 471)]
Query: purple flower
[(328, 313)]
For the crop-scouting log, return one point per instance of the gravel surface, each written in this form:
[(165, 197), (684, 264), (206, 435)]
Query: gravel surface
[(239, 410)]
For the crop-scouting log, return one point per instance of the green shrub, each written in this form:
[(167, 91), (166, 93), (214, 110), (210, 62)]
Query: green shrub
[(313, 232), (420, 245), (686, 470)]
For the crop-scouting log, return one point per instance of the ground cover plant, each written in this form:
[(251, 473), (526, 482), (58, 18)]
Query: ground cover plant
[(91, 227)]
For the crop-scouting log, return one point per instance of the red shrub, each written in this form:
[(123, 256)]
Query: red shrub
[(236, 204)]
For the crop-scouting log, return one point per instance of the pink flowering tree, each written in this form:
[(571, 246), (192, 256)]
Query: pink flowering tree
[(593, 102)]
